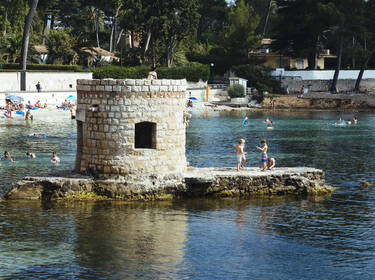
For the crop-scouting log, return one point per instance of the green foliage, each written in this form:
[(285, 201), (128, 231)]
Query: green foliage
[(117, 72), (236, 90), (11, 47), (239, 35), (45, 67), (12, 16), (258, 77), (302, 27), (167, 22), (213, 15), (60, 45), (193, 73)]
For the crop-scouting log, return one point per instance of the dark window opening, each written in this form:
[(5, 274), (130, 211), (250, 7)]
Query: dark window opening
[(145, 135)]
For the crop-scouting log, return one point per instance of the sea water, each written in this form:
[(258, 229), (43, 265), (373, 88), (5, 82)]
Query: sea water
[(280, 238)]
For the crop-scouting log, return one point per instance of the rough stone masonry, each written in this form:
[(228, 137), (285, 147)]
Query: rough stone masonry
[(131, 146), (133, 129)]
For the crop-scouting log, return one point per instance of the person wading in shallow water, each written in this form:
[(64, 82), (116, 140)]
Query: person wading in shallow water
[(55, 159)]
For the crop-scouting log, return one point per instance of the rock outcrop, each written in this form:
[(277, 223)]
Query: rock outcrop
[(322, 101), (217, 182)]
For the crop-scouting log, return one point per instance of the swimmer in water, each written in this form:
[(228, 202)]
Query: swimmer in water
[(30, 155), (270, 125), (355, 120), (267, 120), (7, 156), (246, 119), (55, 159)]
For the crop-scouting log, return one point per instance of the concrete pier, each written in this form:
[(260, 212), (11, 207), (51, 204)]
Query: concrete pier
[(198, 182)]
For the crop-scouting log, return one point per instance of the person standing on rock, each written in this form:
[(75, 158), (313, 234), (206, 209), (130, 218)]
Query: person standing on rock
[(264, 157), (240, 154)]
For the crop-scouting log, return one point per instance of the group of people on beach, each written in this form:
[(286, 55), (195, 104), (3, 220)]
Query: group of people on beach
[(267, 163), (7, 157), (20, 107)]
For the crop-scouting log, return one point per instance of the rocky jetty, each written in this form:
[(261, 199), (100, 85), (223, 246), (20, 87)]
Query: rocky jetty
[(199, 182), (321, 101), (224, 182)]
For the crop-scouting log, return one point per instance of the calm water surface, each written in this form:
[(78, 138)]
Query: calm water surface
[(283, 238)]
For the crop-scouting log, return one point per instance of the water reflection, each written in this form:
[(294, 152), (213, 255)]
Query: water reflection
[(279, 238), (95, 240)]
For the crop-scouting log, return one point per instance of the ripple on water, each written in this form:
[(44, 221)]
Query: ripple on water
[(279, 238)]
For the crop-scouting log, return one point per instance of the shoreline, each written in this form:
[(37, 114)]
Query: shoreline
[(312, 102), (224, 108)]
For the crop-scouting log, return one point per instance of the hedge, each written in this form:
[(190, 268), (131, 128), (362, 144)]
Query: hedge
[(44, 67), (236, 91), (192, 73), (258, 77)]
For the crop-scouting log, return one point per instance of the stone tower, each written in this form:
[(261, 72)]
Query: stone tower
[(132, 131)]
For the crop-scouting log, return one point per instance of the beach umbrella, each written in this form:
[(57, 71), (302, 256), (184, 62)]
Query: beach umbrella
[(14, 98), (72, 98), (193, 98)]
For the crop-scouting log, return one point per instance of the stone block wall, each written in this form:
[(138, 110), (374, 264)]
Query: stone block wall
[(108, 113), (343, 85)]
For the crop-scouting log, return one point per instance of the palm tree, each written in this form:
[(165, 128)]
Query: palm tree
[(26, 33)]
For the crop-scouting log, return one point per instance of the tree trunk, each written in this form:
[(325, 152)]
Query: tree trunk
[(361, 72), (169, 49), (119, 38), (96, 24), (174, 52), (147, 43), (312, 61), (114, 38), (153, 53), (5, 19), (113, 29), (353, 54), (111, 36), (52, 22), (26, 34), (267, 18), (333, 88), (44, 32)]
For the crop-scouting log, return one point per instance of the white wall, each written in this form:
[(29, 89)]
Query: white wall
[(198, 90), (55, 81), (10, 81), (324, 74), (2, 99), (50, 81)]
